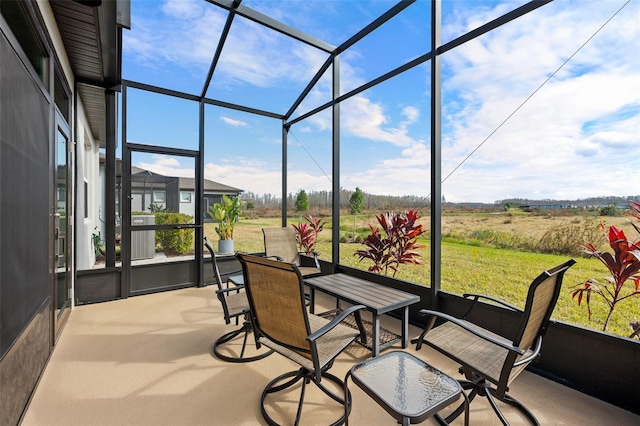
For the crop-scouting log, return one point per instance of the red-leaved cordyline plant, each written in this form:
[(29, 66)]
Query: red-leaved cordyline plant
[(307, 234), (635, 212), (399, 244), (623, 264)]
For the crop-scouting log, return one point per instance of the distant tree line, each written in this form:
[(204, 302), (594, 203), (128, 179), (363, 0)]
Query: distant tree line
[(323, 199), (592, 202), (373, 202)]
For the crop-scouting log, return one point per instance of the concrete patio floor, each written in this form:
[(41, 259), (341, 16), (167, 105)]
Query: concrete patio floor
[(147, 360)]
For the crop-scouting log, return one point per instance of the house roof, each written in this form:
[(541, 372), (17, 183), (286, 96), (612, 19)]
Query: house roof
[(209, 186), (189, 184)]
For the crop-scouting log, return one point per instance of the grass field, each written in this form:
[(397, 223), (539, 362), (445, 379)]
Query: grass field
[(474, 266)]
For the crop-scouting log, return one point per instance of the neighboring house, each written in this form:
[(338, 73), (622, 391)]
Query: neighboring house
[(175, 194), (213, 192)]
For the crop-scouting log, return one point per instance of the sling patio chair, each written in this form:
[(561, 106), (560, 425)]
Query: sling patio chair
[(280, 243), (234, 305), (281, 322), (490, 362)]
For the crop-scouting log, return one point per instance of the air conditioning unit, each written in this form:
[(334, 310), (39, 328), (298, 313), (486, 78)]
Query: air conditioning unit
[(143, 243)]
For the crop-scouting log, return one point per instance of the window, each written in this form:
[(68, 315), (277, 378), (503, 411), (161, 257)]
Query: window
[(86, 199), (18, 19), (159, 197), (60, 95), (185, 197)]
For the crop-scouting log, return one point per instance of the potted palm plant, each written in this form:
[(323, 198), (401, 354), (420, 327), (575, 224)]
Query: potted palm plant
[(227, 214)]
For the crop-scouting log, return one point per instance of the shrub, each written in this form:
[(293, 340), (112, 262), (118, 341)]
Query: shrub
[(491, 238), (561, 239), (501, 239), (609, 211), (179, 241)]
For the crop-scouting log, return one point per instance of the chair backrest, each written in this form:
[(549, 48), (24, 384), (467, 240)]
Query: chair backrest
[(541, 300), (281, 243), (214, 263), (276, 299)]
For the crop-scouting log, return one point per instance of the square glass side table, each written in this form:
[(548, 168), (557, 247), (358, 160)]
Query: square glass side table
[(406, 387)]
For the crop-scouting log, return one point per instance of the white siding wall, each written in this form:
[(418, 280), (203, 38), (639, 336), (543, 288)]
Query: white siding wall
[(86, 156), (189, 207)]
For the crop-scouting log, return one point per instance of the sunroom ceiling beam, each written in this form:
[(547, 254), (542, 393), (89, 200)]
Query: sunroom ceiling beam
[(243, 108), (489, 26), (377, 23), (411, 64), (188, 96), (274, 25), (399, 7), (223, 39), (161, 90)]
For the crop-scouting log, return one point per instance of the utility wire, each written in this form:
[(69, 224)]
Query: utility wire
[(507, 118), (310, 156), (535, 91)]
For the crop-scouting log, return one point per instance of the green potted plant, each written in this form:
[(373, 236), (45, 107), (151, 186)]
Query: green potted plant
[(227, 214)]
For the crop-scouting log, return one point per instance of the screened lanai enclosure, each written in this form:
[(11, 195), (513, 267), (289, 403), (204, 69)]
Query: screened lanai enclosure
[(245, 98), (152, 111), (403, 98), (262, 97)]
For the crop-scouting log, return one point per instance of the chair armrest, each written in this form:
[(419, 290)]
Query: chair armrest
[(308, 260), (231, 274), (335, 321), (313, 254), (476, 297), (236, 289), (473, 330), (278, 258), (534, 354), (221, 294)]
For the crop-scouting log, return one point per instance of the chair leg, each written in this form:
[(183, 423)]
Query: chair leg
[(481, 387), (246, 329), (306, 376), (464, 406), (495, 407), (418, 341), (508, 399)]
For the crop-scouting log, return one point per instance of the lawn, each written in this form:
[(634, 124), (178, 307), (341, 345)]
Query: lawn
[(473, 266)]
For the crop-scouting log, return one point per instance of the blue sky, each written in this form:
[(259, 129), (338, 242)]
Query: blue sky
[(531, 125)]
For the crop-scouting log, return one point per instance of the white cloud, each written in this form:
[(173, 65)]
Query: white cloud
[(239, 171), (266, 58), (411, 113), (261, 177), (233, 122), (366, 119), (183, 9), (563, 141), (166, 166), (181, 35)]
